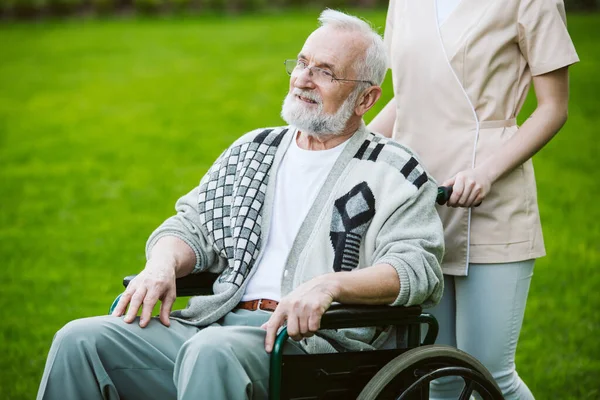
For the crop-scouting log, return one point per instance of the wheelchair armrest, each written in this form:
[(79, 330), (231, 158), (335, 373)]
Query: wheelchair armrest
[(354, 316), (190, 285), (336, 317)]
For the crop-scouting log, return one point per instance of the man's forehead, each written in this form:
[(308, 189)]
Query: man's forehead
[(331, 46)]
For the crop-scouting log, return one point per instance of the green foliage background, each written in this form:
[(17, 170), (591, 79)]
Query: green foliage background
[(105, 123)]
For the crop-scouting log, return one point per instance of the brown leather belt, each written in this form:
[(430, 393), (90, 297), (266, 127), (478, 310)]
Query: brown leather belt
[(253, 305)]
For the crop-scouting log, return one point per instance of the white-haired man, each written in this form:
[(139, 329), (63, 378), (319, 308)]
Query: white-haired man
[(298, 217)]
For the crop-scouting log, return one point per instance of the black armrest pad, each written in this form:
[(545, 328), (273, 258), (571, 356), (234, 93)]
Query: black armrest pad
[(352, 316), (191, 285)]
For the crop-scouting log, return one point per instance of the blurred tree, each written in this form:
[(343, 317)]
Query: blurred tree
[(587, 5), (28, 8), (65, 7), (35, 8), (149, 6), (103, 6), (179, 5), (216, 5), (367, 3)]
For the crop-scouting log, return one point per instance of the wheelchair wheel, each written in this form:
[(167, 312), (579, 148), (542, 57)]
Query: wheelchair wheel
[(418, 367)]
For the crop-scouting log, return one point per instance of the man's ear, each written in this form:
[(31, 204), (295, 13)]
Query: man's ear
[(367, 100)]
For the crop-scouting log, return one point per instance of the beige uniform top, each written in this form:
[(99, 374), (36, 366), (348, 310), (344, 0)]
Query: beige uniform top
[(458, 88)]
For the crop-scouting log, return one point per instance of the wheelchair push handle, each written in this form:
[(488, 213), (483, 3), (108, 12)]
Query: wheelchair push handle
[(444, 193)]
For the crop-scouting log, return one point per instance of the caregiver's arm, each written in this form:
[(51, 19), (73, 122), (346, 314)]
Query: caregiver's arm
[(552, 93)]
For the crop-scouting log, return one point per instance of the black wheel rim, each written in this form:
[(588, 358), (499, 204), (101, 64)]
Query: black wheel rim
[(474, 381)]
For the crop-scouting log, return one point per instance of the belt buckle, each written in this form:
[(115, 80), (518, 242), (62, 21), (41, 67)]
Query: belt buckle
[(259, 304)]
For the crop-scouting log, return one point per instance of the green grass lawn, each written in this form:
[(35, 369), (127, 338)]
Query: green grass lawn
[(104, 124)]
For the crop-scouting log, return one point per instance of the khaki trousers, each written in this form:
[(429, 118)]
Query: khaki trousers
[(105, 358)]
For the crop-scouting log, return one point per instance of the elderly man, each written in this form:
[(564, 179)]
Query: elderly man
[(298, 217)]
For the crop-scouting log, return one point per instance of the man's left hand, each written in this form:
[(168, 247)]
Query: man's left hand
[(302, 309)]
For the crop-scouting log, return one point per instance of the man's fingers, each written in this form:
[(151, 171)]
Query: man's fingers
[(136, 301), (303, 325), (122, 304), (314, 323), (165, 309), (272, 325), (293, 327), (147, 306), (310, 326), (270, 337)]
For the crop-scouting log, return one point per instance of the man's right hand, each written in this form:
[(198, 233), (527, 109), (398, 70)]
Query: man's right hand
[(156, 282)]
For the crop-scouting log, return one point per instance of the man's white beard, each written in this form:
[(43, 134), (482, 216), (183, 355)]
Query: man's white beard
[(316, 122)]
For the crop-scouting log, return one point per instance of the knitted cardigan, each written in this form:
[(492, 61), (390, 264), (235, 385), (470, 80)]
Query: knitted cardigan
[(376, 206)]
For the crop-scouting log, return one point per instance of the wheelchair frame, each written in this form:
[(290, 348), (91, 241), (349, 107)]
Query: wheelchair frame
[(382, 372)]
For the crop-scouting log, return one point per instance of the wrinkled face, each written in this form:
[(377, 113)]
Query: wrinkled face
[(315, 103)]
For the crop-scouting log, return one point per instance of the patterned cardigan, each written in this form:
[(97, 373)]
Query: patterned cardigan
[(376, 206)]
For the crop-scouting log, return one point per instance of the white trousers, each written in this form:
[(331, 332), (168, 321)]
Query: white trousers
[(482, 314)]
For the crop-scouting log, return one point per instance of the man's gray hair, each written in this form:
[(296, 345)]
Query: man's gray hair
[(375, 63)]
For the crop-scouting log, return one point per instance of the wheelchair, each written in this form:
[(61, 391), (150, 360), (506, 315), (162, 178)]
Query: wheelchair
[(401, 373)]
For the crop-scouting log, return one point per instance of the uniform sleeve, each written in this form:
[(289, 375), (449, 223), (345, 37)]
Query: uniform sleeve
[(412, 241), (543, 37), (389, 29)]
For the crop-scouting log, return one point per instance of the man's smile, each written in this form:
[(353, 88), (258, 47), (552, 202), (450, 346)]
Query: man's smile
[(306, 99)]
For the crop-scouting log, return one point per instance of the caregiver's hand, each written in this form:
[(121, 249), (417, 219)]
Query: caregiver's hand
[(469, 188)]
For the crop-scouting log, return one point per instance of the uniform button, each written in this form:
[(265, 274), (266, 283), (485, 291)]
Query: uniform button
[(285, 272)]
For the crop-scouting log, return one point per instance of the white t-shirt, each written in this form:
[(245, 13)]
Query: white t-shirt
[(299, 179), (444, 8)]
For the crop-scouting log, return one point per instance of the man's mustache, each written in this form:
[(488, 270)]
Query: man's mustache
[(307, 94)]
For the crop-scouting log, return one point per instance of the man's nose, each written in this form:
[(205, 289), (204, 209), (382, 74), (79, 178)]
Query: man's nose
[(304, 79)]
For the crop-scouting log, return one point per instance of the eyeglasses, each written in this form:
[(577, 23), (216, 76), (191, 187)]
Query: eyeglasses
[(319, 75)]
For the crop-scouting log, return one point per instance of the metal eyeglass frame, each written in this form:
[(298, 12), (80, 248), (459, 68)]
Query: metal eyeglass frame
[(326, 73)]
